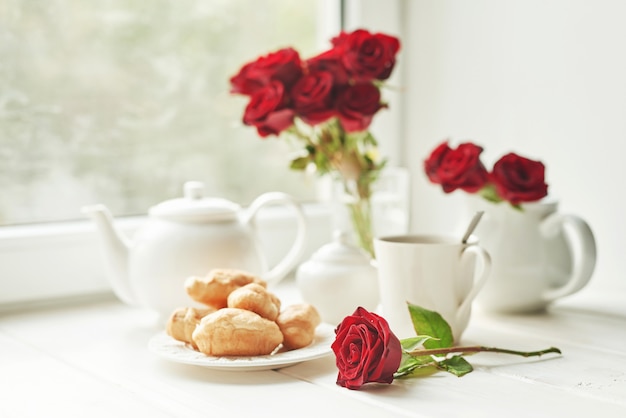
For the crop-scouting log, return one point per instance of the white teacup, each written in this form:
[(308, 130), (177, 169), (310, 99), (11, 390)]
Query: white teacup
[(432, 271)]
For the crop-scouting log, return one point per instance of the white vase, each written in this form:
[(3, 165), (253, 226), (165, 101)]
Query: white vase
[(538, 254)]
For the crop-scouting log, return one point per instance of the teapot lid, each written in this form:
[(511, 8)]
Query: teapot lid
[(341, 251), (195, 207)]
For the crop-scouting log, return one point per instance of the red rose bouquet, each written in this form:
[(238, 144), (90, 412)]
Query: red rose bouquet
[(326, 102), (514, 178), (366, 350)]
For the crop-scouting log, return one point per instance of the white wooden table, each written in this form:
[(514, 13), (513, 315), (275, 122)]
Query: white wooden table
[(90, 359)]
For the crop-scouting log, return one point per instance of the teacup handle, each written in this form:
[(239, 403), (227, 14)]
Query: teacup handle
[(484, 259), (291, 259), (583, 263)]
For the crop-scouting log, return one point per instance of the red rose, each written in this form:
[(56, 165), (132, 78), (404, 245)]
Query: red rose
[(518, 179), (367, 56), (458, 168), (329, 61), (267, 110), (366, 350), (356, 106), (313, 98), (283, 65)]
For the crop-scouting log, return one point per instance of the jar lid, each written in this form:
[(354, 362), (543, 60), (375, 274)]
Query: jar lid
[(341, 251), (195, 207)]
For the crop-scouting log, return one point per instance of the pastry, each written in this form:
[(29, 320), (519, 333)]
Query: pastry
[(183, 321), (297, 324), (236, 332), (214, 288), (254, 297)]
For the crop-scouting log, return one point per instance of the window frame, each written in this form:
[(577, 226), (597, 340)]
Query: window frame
[(44, 263)]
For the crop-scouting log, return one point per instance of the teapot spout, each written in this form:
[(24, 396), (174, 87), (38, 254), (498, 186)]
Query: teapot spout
[(115, 248)]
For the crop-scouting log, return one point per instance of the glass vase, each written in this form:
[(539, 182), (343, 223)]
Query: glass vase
[(354, 211), (377, 209)]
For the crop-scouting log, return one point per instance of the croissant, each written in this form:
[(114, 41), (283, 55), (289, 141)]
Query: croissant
[(214, 288), (254, 297), (236, 332), (183, 322), (297, 324)]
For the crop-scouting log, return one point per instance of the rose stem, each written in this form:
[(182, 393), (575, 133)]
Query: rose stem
[(478, 349)]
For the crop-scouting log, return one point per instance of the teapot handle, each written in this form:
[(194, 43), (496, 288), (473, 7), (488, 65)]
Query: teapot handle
[(293, 256), (584, 260)]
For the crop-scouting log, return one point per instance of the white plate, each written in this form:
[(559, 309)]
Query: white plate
[(171, 349)]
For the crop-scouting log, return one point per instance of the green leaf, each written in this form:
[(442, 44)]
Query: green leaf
[(322, 163), (456, 365), (299, 163), (490, 194), (424, 370), (430, 323), (410, 344), (369, 139), (410, 364)]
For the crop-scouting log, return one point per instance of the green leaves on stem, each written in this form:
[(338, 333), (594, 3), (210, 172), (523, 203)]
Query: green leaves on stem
[(331, 149), (351, 158), (432, 349)]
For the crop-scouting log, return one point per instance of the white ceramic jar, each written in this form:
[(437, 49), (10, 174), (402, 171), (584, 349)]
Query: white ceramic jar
[(338, 278)]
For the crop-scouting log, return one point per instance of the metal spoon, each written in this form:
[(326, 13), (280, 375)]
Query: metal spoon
[(472, 226)]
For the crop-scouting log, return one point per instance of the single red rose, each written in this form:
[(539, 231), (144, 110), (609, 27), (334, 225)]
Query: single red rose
[(458, 168), (357, 105), (366, 350), (268, 111), (283, 65), (313, 98), (367, 56), (519, 179)]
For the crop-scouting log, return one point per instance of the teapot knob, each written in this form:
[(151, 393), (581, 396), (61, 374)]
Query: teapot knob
[(194, 190), (341, 237)]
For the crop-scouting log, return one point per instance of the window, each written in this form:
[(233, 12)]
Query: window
[(122, 101), (70, 136)]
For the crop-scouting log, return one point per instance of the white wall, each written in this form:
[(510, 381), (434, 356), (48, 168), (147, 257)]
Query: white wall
[(544, 78)]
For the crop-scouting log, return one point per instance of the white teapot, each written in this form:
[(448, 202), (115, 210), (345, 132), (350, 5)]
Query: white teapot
[(185, 237)]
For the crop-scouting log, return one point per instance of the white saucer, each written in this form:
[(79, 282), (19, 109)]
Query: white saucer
[(177, 351)]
